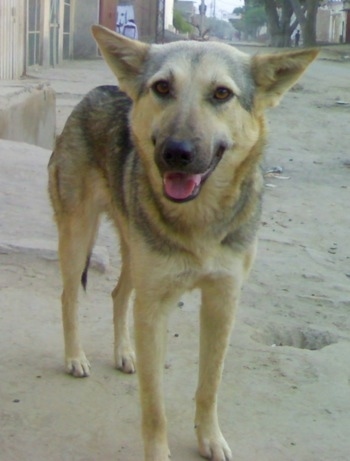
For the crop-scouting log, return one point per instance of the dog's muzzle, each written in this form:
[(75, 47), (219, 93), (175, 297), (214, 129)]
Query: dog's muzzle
[(183, 170)]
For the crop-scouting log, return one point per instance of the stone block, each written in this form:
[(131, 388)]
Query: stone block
[(28, 113)]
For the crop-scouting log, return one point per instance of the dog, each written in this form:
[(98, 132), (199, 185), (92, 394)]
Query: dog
[(173, 157)]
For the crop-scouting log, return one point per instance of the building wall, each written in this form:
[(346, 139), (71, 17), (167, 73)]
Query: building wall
[(86, 13), (322, 24), (331, 22), (108, 13), (62, 29), (12, 38), (336, 22), (168, 20), (45, 35), (147, 10), (145, 17)]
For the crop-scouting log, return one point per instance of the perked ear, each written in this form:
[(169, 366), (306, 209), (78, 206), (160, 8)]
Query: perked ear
[(124, 56), (274, 74)]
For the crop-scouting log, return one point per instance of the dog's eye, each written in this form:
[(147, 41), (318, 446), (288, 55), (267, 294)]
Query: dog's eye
[(162, 88), (222, 94)]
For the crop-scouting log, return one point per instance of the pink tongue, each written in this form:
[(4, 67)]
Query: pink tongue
[(180, 186)]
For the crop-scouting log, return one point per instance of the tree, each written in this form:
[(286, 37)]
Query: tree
[(253, 17), (306, 15), (279, 15), (180, 23), (219, 28), (281, 24)]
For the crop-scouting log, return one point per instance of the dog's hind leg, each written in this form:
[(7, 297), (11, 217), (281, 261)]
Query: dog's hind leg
[(77, 233), (123, 352), (219, 299)]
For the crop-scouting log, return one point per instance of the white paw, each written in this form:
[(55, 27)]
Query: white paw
[(214, 447), (125, 359), (157, 453), (78, 366)]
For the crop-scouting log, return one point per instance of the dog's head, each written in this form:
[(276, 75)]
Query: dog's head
[(196, 105)]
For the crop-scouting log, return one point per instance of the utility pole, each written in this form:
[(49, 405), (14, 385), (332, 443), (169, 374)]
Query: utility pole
[(202, 11), (160, 21)]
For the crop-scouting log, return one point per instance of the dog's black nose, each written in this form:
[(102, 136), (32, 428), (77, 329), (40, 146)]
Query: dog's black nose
[(178, 154)]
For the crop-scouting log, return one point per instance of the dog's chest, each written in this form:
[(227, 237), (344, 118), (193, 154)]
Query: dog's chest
[(221, 262)]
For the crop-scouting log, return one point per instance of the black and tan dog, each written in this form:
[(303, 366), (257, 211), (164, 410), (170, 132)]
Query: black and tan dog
[(173, 158)]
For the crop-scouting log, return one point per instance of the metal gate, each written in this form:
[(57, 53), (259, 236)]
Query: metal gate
[(67, 49), (54, 31), (33, 28)]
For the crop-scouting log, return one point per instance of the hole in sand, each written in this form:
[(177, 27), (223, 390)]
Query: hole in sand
[(301, 338)]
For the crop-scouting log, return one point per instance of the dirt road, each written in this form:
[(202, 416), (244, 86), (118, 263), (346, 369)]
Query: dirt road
[(285, 393)]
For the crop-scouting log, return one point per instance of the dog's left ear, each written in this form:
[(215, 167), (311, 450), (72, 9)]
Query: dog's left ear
[(274, 74), (124, 56)]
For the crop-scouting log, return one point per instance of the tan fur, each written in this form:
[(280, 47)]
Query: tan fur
[(207, 243)]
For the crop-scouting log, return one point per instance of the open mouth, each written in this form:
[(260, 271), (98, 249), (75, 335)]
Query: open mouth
[(183, 187)]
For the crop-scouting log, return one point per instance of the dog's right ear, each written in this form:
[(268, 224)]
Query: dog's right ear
[(274, 74), (124, 56)]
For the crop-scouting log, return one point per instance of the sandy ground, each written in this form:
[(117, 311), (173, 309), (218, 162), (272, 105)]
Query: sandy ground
[(286, 387)]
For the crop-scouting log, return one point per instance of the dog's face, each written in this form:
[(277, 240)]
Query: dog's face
[(192, 108), (197, 107)]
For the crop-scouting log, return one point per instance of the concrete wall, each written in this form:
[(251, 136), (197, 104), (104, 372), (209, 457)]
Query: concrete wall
[(322, 24), (330, 25), (85, 15), (146, 18), (28, 114)]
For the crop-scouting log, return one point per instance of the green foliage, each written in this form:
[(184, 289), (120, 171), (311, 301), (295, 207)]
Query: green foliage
[(253, 16), (238, 10), (180, 23)]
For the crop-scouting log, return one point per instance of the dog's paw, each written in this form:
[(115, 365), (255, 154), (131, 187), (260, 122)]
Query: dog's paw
[(214, 448), (125, 359), (157, 452), (78, 366)]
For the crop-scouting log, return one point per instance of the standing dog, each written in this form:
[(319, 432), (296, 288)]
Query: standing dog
[(173, 158)]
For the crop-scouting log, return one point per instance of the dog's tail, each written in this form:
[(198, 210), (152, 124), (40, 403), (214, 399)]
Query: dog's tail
[(84, 275)]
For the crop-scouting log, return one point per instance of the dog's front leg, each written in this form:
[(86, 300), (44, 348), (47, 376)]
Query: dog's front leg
[(219, 299), (150, 320)]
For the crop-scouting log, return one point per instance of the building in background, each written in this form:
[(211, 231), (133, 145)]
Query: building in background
[(333, 22), (44, 32), (168, 15), (12, 38), (145, 15)]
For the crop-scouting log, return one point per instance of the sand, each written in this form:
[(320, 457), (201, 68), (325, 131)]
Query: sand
[(285, 394)]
